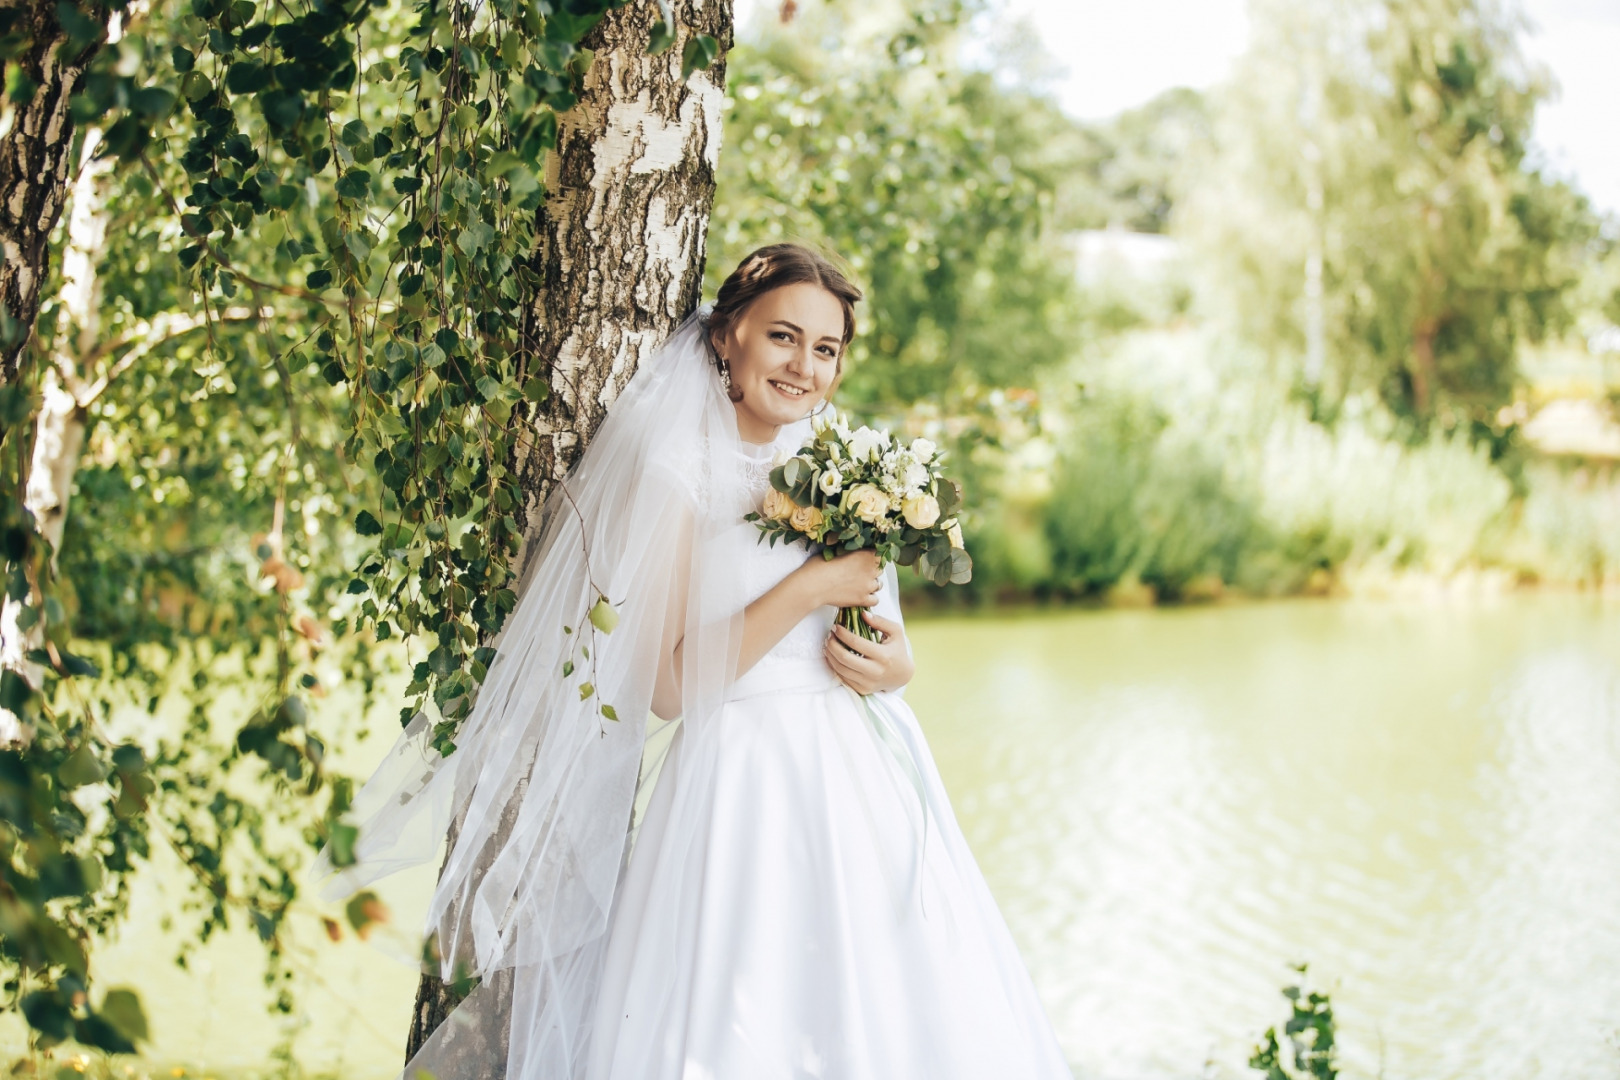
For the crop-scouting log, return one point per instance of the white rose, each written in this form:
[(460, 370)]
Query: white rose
[(924, 449), (922, 511), (865, 444), (831, 482)]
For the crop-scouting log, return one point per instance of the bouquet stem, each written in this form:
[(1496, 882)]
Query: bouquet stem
[(850, 619)]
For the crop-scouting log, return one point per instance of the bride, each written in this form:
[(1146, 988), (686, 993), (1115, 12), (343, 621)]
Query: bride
[(797, 899)]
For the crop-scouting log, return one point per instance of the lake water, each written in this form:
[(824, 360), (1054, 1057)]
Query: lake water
[(1423, 802)]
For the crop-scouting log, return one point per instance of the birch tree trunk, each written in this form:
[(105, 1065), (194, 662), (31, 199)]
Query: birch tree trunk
[(59, 427), (620, 252), (36, 163)]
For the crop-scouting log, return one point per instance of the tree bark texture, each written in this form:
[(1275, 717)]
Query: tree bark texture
[(59, 425), (36, 162), (620, 249)]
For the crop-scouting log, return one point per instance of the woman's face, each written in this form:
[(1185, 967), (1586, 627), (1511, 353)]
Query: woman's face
[(783, 354)]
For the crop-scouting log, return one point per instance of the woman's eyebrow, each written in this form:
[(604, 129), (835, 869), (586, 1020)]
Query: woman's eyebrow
[(797, 330)]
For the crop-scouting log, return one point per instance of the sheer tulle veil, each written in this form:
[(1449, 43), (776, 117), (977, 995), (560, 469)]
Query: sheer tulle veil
[(541, 787)]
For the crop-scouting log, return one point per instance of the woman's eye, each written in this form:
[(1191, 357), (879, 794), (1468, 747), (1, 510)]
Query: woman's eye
[(781, 334)]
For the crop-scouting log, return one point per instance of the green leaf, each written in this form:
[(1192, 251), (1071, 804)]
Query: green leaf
[(609, 712), (355, 133), (122, 1009), (367, 525), (318, 279), (152, 102), (80, 768), (354, 184), (182, 58), (568, 668), (586, 690), (73, 664), (661, 37), (340, 844), (14, 691), (603, 617), (474, 237), (364, 910), (282, 108), (699, 53), (195, 86), (20, 86), (247, 77)]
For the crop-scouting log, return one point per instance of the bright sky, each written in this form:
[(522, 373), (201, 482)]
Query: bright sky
[(1117, 55), (1114, 55)]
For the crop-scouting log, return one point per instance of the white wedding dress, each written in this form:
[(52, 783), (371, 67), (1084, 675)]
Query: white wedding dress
[(770, 922)]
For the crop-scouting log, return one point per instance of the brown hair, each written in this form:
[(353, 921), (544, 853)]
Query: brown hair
[(772, 267)]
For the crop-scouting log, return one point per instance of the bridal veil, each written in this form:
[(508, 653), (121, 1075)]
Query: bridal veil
[(540, 789)]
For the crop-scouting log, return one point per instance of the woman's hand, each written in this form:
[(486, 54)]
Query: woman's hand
[(869, 666), (853, 579)]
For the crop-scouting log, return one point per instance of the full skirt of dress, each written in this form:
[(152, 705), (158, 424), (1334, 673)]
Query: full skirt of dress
[(784, 913)]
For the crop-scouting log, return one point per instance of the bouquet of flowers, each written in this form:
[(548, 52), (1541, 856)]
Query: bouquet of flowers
[(863, 490)]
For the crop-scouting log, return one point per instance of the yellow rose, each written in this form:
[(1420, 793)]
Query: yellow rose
[(868, 501), (806, 519), (777, 505), (921, 511), (955, 533)]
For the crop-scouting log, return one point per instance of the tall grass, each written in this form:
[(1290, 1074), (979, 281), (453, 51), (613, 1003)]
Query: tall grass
[(1181, 469)]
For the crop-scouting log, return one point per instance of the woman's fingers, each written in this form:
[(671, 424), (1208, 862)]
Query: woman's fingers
[(846, 662), (855, 642), (887, 627)]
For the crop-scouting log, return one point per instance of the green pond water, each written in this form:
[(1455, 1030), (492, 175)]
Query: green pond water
[(1423, 802)]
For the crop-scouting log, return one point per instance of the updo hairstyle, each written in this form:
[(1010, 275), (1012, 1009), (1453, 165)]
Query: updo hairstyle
[(772, 267)]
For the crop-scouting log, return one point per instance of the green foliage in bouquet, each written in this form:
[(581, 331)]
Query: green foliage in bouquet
[(864, 490)]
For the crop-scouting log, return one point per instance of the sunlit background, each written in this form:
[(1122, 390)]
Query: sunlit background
[(1276, 344)]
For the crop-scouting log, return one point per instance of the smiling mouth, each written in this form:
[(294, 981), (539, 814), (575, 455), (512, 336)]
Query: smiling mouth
[(788, 388)]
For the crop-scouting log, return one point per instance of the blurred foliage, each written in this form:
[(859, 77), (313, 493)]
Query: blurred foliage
[(1308, 1049), (1387, 139), (1130, 166), (856, 129)]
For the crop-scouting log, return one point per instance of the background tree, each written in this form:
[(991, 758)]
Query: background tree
[(1371, 178), (862, 132)]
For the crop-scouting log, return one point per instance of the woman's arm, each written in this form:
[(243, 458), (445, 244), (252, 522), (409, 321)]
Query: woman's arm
[(844, 581)]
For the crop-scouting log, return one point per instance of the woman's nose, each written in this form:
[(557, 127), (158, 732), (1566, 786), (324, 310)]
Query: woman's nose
[(801, 363)]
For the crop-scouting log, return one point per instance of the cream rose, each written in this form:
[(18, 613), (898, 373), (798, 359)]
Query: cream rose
[(777, 505), (807, 519), (921, 511), (868, 501)]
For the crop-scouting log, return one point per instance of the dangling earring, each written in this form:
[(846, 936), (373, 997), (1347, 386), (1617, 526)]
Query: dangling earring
[(725, 375)]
